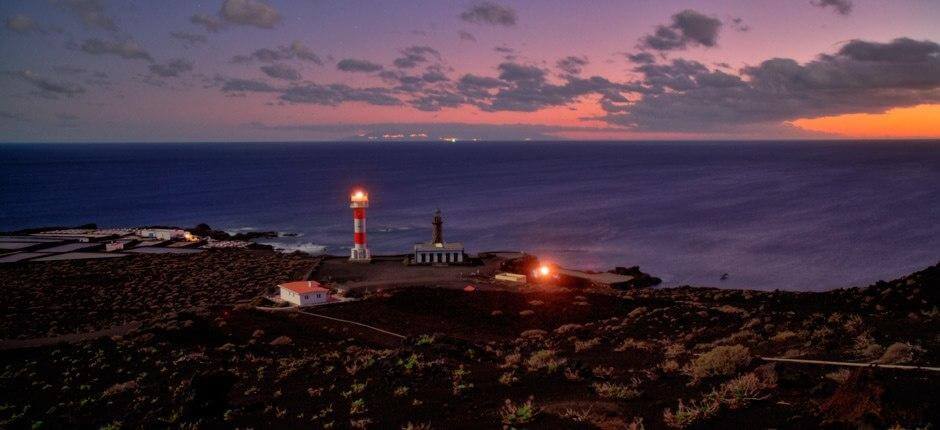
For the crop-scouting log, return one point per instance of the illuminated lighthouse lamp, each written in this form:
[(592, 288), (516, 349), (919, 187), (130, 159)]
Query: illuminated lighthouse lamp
[(359, 201)]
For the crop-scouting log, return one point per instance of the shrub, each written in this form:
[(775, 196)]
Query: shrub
[(634, 344), (425, 339), (457, 379), (609, 390), (674, 350), (568, 328), (728, 309), (521, 414), (734, 394), (357, 406), (282, 341), (418, 426), (685, 416), (720, 361), (839, 376), (636, 313), (544, 359), (511, 361), (740, 391), (121, 388), (783, 336), (533, 334), (526, 313), (508, 378), (584, 345), (897, 353), (669, 366)]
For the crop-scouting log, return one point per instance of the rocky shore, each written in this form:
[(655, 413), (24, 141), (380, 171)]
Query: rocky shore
[(204, 355)]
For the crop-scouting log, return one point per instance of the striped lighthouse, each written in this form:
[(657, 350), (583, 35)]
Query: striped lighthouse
[(359, 201)]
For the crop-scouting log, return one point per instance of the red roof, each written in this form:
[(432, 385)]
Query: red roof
[(303, 287)]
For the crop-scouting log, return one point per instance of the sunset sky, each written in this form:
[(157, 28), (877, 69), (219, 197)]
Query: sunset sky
[(174, 70)]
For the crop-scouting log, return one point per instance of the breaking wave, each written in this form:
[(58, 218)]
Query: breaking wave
[(308, 247)]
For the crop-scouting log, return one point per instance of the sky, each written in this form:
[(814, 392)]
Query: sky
[(278, 70)]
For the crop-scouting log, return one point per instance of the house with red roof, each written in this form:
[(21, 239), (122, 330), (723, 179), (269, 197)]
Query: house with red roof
[(304, 293)]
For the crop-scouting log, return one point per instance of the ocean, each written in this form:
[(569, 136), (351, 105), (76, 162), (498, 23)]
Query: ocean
[(801, 216)]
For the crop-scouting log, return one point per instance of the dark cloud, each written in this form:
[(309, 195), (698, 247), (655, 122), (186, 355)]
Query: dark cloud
[(281, 71), (189, 39), (69, 70), (311, 93), (172, 69), (90, 12), (739, 25), (901, 50), (508, 53), (412, 56), (22, 24), (209, 22), (356, 65), (434, 75), (862, 77), (842, 7), (335, 94), (126, 49), (246, 85), (525, 88), (490, 13), (466, 35), (688, 28), (642, 58), (255, 13), (435, 100), (296, 50), (48, 87), (572, 65)]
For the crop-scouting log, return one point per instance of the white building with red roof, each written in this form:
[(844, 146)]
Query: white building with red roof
[(304, 293)]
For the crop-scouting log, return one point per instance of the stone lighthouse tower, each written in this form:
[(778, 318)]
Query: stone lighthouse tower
[(438, 223), (359, 201)]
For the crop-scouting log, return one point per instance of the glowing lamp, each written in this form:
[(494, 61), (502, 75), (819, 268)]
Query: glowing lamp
[(359, 196), (544, 270)]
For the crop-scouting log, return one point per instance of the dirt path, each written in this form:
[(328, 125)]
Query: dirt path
[(12, 344)]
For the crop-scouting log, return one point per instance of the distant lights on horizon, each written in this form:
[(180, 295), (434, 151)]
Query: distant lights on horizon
[(402, 136)]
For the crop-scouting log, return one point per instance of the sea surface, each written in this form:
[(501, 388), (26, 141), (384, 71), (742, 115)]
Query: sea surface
[(788, 215)]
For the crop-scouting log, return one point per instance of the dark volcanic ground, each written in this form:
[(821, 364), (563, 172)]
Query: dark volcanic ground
[(654, 358)]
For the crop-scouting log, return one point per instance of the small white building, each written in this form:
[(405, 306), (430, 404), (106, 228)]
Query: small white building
[(162, 233), (439, 253), (304, 293), (114, 246), (511, 277)]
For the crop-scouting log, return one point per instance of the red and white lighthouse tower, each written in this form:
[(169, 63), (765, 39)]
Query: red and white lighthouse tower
[(359, 201)]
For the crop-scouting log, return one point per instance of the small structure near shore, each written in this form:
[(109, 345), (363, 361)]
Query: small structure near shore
[(514, 278), (162, 233), (304, 293), (437, 251)]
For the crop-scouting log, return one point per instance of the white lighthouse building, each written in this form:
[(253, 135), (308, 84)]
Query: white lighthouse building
[(359, 201)]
